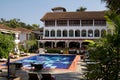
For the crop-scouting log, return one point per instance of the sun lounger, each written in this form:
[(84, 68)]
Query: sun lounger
[(47, 77), (3, 60), (33, 76)]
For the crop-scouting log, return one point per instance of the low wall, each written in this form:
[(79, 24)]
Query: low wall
[(73, 66)]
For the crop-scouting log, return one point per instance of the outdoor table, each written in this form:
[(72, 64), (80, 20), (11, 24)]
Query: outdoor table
[(18, 65), (37, 66)]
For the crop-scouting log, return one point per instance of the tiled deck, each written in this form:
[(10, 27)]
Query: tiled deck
[(59, 74)]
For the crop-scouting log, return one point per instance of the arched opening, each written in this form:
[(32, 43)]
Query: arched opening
[(60, 44), (77, 33), (74, 45), (46, 33), (47, 44), (64, 33), (58, 33), (83, 33), (96, 33), (40, 45), (71, 33), (52, 33), (103, 33), (90, 33)]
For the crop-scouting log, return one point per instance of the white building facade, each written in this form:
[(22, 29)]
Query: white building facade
[(20, 35), (71, 29)]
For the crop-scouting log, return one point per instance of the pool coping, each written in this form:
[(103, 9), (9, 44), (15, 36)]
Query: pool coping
[(72, 67)]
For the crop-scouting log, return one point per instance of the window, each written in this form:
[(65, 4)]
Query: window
[(50, 23), (87, 22), (109, 31), (71, 34), (74, 22), (52, 33), (46, 33), (83, 33), (90, 33), (58, 33), (96, 33), (103, 33), (100, 22), (77, 33), (65, 33), (62, 23)]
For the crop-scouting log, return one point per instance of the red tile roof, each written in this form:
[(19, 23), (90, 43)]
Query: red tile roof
[(14, 29), (23, 29), (7, 28), (87, 15)]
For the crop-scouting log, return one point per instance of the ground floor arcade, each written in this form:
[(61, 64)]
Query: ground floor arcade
[(62, 43)]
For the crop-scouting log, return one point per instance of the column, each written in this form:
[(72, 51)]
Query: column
[(80, 23), (16, 43), (86, 33), (67, 44), (67, 22), (55, 23), (52, 44), (93, 23), (55, 44)]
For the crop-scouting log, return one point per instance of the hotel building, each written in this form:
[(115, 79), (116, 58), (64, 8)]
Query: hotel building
[(70, 29)]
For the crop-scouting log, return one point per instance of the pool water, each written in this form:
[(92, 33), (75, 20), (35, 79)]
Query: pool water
[(49, 61)]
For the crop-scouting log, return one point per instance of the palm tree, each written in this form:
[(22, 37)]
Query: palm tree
[(113, 5), (106, 54), (81, 9)]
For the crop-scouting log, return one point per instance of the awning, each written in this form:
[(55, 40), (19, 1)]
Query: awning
[(89, 41)]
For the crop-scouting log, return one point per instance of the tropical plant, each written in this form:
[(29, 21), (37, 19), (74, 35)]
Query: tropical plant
[(113, 5), (106, 54), (15, 23), (81, 9), (6, 45)]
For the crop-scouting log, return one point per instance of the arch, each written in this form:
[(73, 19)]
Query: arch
[(77, 33), (103, 32), (109, 31), (41, 45), (71, 33), (47, 44), (90, 33), (52, 33), (60, 44), (58, 33), (64, 33), (46, 33), (96, 33), (74, 45), (83, 33)]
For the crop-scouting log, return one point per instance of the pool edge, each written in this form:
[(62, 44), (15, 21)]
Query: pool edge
[(73, 66)]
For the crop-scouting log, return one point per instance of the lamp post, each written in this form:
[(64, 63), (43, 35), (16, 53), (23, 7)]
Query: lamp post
[(8, 64)]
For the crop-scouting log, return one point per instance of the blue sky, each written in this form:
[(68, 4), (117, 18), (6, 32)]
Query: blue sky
[(31, 11)]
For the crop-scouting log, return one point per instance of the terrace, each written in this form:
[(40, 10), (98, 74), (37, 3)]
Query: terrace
[(59, 74)]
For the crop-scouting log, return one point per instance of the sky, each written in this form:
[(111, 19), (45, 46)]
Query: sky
[(31, 11)]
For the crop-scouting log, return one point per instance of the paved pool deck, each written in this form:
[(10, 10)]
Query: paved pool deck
[(59, 74)]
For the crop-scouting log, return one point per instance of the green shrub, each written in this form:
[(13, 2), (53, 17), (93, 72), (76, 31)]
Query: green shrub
[(53, 51)]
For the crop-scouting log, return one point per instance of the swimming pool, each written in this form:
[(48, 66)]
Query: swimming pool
[(49, 61)]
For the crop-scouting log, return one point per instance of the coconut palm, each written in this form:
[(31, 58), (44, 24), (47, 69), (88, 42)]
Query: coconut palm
[(81, 9), (113, 5), (106, 54)]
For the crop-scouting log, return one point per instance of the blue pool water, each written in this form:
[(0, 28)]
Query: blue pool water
[(49, 61)]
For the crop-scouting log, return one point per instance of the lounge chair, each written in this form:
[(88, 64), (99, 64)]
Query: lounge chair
[(33, 76), (47, 77), (3, 59)]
